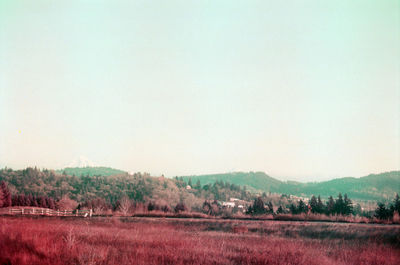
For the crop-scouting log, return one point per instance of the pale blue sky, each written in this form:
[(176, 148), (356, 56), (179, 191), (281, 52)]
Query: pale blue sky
[(304, 90)]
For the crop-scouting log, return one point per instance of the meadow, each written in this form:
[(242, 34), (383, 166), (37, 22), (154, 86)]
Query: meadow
[(120, 240)]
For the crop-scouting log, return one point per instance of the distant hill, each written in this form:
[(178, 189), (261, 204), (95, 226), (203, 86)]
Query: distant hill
[(91, 171), (372, 187), (254, 181)]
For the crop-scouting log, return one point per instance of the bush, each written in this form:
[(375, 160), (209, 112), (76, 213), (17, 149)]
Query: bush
[(180, 207)]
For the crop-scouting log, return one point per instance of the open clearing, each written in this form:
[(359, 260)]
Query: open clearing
[(41, 240)]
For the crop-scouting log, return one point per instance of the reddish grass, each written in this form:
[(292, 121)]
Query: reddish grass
[(193, 241)]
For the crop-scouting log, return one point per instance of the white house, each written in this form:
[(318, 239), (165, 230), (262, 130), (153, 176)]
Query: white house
[(228, 204)]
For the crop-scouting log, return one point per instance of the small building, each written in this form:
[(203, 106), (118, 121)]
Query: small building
[(188, 187), (228, 204)]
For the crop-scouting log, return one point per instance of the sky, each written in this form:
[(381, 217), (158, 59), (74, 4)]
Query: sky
[(302, 90)]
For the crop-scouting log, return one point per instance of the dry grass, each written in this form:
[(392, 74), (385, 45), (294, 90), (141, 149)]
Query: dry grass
[(193, 241)]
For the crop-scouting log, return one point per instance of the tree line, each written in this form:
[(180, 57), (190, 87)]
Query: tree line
[(387, 211), (139, 187), (98, 205), (342, 205)]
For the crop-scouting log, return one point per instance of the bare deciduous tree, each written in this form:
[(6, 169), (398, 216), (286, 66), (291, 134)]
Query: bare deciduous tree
[(125, 205)]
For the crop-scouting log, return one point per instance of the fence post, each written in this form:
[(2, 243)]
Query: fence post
[(90, 213)]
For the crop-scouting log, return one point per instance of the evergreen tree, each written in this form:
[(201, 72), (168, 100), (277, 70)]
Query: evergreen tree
[(151, 206), (280, 210), (396, 203), (320, 205), (258, 206), (348, 206), (357, 209), (249, 210), (270, 208), (302, 207), (293, 209), (339, 205), (382, 212), (330, 206), (314, 204)]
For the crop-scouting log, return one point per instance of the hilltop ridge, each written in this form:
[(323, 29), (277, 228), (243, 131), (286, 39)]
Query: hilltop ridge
[(372, 187)]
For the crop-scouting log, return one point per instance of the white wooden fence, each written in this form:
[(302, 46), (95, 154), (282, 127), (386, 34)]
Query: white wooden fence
[(44, 211)]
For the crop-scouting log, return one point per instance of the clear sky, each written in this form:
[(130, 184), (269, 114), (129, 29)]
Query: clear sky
[(303, 90)]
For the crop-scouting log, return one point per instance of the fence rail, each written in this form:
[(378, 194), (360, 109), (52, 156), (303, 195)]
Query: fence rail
[(45, 211)]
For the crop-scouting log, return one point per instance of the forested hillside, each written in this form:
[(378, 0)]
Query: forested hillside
[(372, 187), (138, 187), (382, 187), (254, 181), (90, 171)]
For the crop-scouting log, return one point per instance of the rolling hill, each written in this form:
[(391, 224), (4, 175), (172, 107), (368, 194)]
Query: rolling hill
[(90, 171), (254, 181), (372, 187)]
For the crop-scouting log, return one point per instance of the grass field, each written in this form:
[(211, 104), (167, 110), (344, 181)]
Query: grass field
[(42, 240)]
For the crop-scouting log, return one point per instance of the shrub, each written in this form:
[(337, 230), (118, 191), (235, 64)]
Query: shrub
[(180, 207)]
